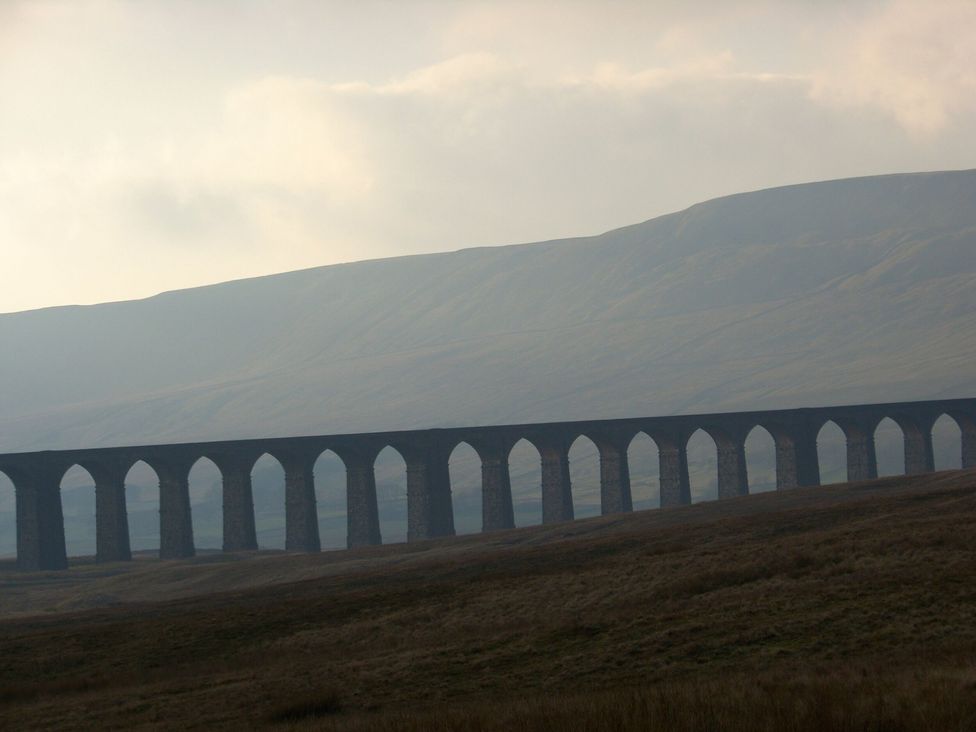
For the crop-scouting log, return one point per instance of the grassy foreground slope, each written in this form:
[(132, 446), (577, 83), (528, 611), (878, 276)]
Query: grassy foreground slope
[(843, 607)]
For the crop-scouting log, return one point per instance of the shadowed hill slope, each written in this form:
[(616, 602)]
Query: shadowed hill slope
[(852, 290), (844, 607)]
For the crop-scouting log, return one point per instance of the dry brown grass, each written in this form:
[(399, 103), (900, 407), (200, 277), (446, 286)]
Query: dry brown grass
[(848, 700), (844, 608)]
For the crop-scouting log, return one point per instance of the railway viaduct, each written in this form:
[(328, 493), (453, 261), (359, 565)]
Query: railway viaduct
[(37, 475)]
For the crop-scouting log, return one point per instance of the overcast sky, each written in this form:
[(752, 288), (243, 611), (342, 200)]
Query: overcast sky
[(148, 146)]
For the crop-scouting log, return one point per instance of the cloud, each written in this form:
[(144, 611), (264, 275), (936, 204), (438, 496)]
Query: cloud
[(284, 133), (506, 122), (466, 75), (914, 61)]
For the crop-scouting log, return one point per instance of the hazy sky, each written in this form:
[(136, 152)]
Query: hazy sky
[(147, 146)]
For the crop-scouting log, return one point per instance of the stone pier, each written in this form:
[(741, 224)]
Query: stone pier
[(497, 509), (111, 516), (615, 495), (919, 455), (175, 517), (240, 533), (862, 460), (797, 463), (557, 490), (40, 520), (430, 508), (301, 512), (673, 459), (967, 429), (362, 510), (733, 477)]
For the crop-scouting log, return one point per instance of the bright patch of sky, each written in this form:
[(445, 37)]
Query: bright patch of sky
[(154, 145)]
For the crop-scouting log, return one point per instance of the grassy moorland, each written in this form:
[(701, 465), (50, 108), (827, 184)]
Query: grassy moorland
[(843, 607)]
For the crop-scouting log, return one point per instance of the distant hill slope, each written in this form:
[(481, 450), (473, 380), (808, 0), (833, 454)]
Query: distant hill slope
[(851, 290)]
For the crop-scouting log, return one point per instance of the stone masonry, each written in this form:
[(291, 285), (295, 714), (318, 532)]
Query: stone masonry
[(37, 475)]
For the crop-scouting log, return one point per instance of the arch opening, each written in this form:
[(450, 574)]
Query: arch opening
[(584, 477), (832, 453), (390, 469), (947, 443), (645, 472), (889, 446), (78, 508), (525, 472), (329, 474), (205, 483), (760, 448), (8, 518), (268, 492), (142, 503), (464, 465), (330, 499), (702, 466)]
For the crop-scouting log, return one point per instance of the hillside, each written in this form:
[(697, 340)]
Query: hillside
[(843, 291), (852, 290), (847, 607)]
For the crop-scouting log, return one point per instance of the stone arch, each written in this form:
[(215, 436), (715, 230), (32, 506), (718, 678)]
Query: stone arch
[(831, 452), (464, 467), (77, 487), (702, 453), (205, 484), (141, 488), (525, 471), (329, 471), (8, 516), (268, 492), (390, 469), (644, 462), (584, 472), (287, 486), (760, 454), (889, 446)]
